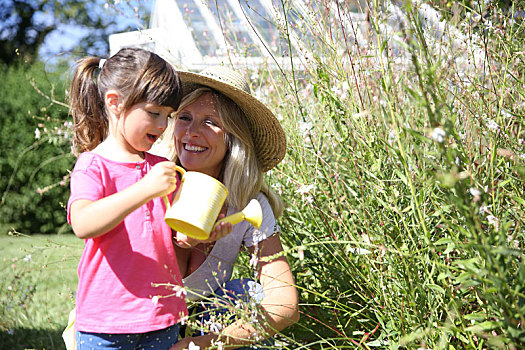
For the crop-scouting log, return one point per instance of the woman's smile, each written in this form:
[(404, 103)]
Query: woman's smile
[(193, 148)]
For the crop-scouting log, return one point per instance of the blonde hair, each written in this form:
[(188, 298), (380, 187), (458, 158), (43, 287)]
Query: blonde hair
[(138, 75), (241, 173)]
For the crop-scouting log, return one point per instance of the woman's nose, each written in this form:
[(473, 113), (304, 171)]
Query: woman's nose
[(192, 129)]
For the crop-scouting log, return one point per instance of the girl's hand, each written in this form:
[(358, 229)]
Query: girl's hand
[(161, 180)]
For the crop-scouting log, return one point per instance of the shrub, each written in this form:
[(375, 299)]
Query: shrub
[(33, 135)]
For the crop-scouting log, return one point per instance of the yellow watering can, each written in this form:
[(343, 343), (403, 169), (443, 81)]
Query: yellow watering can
[(198, 202)]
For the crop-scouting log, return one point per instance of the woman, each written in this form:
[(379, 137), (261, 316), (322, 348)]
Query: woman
[(221, 130)]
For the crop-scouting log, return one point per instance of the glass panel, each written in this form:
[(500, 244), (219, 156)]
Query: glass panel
[(198, 26)]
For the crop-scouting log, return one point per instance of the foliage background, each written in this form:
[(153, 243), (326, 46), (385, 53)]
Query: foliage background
[(33, 135), (403, 178)]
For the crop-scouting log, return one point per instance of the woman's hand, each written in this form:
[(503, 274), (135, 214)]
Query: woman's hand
[(222, 229), (219, 231)]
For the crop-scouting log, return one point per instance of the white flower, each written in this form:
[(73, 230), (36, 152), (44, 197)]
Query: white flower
[(184, 319), (37, 133), (192, 346), (213, 326), (494, 221), (300, 252), (360, 251), (254, 260), (255, 290), (258, 236), (438, 135), (492, 125), (219, 344), (305, 189), (392, 137), (179, 291), (305, 128), (475, 192), (27, 257)]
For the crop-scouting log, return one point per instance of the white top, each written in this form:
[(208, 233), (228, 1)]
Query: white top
[(218, 266)]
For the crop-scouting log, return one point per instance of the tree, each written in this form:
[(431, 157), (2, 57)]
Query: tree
[(25, 25)]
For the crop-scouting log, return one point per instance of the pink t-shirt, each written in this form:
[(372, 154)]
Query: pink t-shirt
[(117, 269)]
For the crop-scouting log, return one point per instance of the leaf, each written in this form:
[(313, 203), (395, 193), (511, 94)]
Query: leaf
[(478, 316), (436, 288), (442, 241), (483, 326), (519, 200)]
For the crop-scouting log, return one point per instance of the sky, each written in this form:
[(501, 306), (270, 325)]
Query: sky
[(66, 36)]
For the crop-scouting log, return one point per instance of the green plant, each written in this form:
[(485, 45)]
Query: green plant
[(35, 129), (404, 176)]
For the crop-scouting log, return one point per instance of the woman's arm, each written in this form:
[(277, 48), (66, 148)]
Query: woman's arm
[(280, 302), (279, 306)]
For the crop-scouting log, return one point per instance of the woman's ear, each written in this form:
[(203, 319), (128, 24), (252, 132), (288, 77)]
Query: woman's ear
[(113, 102)]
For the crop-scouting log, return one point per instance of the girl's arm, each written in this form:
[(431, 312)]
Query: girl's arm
[(280, 306), (90, 219)]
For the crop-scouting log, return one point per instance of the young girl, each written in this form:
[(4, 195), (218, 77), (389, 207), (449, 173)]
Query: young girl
[(120, 107)]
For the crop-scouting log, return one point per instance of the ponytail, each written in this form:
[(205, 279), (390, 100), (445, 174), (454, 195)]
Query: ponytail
[(87, 106)]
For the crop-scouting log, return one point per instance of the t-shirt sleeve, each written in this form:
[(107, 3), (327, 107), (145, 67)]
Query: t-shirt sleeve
[(85, 183), (268, 226)]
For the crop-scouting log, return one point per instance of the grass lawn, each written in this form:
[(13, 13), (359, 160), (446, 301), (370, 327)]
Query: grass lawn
[(38, 283)]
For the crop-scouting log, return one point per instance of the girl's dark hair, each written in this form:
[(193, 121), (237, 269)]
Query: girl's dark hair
[(138, 76)]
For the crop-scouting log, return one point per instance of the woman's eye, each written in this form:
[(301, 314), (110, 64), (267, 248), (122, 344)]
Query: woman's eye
[(183, 117), (154, 113), (211, 122)]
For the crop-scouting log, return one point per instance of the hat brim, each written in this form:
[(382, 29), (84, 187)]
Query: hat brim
[(267, 133)]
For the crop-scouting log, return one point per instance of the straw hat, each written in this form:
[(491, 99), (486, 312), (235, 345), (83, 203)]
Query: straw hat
[(267, 134)]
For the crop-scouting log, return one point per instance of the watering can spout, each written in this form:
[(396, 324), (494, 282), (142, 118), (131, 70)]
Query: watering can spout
[(251, 213)]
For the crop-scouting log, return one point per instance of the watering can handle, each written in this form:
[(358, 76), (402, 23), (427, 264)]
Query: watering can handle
[(181, 171)]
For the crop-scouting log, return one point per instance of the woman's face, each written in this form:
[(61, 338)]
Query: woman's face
[(199, 137)]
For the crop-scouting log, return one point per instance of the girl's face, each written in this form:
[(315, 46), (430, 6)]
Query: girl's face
[(142, 125), (199, 137)]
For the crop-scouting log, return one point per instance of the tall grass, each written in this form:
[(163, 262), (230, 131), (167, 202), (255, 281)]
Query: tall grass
[(404, 173)]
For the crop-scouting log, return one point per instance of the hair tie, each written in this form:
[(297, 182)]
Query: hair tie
[(101, 63)]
